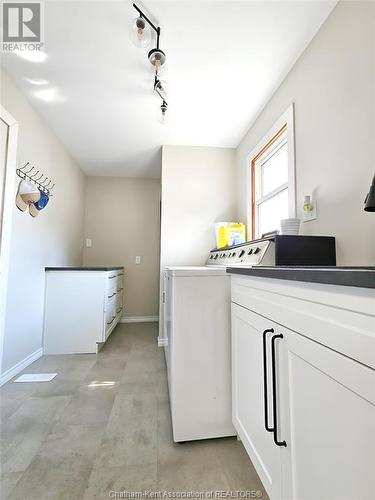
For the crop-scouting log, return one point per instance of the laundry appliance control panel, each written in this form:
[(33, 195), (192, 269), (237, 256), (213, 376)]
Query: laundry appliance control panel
[(248, 254), (278, 250)]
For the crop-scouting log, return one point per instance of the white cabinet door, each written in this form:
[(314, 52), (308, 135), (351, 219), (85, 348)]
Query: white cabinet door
[(249, 396), (327, 419)]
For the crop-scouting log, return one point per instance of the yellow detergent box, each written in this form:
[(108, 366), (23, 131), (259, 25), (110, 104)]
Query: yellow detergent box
[(229, 233)]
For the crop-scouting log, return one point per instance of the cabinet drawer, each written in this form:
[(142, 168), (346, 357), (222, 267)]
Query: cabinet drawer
[(114, 281), (338, 317), (112, 275), (119, 303), (110, 313), (110, 297), (119, 284), (110, 293), (111, 287)]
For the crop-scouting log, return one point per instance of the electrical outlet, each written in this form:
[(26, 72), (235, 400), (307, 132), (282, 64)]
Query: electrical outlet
[(88, 243), (138, 259), (311, 214)]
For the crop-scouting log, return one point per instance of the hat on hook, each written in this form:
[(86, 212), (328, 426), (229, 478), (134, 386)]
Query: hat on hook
[(27, 193), (35, 208), (20, 204)]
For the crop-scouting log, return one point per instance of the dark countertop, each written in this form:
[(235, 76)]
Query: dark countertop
[(84, 268), (363, 277)]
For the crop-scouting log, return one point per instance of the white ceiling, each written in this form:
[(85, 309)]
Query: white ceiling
[(225, 59)]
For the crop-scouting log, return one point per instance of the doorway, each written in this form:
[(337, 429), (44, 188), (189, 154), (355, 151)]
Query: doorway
[(8, 148)]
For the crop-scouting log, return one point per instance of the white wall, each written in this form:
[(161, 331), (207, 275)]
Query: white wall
[(53, 238), (333, 88), (122, 217), (198, 189)]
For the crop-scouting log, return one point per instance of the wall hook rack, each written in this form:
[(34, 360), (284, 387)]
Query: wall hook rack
[(42, 182)]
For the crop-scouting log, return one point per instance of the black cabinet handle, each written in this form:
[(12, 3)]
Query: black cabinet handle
[(110, 296), (112, 320), (274, 395), (265, 387)]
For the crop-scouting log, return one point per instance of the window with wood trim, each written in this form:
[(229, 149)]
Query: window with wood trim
[(270, 185)]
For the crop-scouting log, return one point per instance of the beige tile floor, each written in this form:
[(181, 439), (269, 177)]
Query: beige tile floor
[(103, 425)]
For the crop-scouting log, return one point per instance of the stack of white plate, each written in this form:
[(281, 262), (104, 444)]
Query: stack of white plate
[(290, 226)]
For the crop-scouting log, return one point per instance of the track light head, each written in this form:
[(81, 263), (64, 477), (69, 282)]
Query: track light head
[(163, 112), (161, 88), (157, 58), (140, 32)]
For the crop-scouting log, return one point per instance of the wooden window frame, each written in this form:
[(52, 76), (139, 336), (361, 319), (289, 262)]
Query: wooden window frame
[(285, 123)]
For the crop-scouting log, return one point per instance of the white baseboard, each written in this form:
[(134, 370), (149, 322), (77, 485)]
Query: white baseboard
[(162, 342), (16, 369), (139, 319)]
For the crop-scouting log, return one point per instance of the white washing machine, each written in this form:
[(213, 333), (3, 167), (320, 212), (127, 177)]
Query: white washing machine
[(197, 348)]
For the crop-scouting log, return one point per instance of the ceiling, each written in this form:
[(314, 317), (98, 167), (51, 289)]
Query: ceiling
[(224, 61)]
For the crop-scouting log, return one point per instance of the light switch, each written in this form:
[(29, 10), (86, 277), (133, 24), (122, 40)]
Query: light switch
[(138, 259), (88, 243)]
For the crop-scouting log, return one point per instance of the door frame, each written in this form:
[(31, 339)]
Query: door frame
[(9, 183)]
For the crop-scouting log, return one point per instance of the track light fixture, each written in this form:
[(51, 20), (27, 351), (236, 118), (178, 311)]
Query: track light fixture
[(141, 37), (160, 87), (140, 33), (163, 114)]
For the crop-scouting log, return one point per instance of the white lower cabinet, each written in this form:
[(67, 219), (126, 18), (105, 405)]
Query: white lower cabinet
[(82, 308), (322, 445)]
